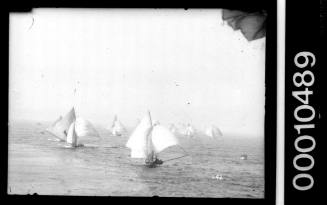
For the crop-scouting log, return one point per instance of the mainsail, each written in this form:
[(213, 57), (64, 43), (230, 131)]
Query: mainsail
[(213, 132), (71, 136), (84, 128), (148, 139), (162, 138), (138, 141), (55, 122), (60, 127)]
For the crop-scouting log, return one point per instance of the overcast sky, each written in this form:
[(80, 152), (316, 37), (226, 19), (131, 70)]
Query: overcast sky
[(183, 66)]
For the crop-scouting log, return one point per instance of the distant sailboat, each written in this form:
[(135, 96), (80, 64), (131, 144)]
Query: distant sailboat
[(189, 131), (60, 127), (213, 132), (70, 129), (80, 128), (148, 140), (117, 128)]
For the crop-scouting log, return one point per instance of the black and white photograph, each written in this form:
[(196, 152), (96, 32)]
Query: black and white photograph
[(137, 102)]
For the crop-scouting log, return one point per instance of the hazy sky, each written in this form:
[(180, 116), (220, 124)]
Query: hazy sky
[(183, 66)]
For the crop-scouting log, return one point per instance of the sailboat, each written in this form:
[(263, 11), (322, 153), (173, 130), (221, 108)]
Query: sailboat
[(189, 131), (70, 129), (213, 132), (80, 128), (148, 140), (117, 127), (60, 127)]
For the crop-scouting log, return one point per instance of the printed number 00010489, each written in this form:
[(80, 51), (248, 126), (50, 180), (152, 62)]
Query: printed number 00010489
[(303, 80)]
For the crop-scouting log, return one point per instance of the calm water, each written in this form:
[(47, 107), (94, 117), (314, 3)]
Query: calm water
[(103, 167)]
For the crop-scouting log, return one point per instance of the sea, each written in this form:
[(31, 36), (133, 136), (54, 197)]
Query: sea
[(210, 168)]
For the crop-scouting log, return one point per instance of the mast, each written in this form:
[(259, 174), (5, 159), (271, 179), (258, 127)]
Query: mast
[(114, 122), (149, 147)]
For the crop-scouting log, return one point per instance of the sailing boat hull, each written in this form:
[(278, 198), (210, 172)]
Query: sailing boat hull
[(152, 165), (74, 146)]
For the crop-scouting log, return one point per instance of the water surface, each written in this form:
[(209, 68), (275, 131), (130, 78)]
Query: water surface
[(37, 164)]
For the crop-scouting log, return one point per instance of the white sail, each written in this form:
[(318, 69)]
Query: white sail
[(213, 132), (117, 128), (60, 127), (138, 141), (162, 138), (84, 128), (55, 122), (189, 131), (71, 136)]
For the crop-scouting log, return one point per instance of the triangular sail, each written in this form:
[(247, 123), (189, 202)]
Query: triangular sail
[(72, 136), (84, 128), (55, 122), (213, 132), (162, 138), (139, 140), (114, 121), (117, 127), (60, 127)]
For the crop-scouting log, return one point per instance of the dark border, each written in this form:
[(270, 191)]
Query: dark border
[(304, 32), (270, 103)]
